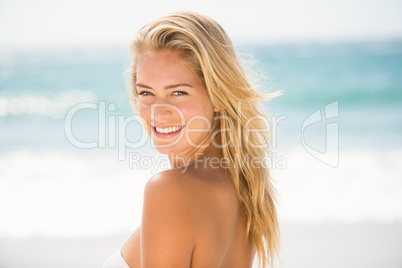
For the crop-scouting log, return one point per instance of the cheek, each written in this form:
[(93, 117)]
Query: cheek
[(144, 113), (144, 109), (197, 115)]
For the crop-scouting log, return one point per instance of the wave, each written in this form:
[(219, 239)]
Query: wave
[(54, 106), (64, 193)]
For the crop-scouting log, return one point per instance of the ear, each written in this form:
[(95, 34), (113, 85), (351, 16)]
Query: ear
[(216, 109)]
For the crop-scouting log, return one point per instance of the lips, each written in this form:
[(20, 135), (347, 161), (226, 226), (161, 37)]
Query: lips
[(166, 132), (168, 129)]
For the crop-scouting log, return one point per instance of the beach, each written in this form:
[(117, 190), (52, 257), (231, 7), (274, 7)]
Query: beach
[(327, 245), (95, 203), (74, 160)]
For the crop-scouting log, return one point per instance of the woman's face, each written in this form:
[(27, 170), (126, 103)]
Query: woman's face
[(173, 103)]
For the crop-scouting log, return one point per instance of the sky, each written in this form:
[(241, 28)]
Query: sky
[(46, 23)]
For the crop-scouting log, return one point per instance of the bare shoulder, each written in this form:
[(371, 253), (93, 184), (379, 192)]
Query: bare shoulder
[(191, 190), (169, 189), (169, 221), (172, 180), (199, 199), (179, 209), (169, 194)]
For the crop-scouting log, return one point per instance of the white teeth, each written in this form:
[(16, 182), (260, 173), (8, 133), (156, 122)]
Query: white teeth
[(168, 129)]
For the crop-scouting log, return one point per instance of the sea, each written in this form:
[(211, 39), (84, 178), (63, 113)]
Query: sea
[(74, 159)]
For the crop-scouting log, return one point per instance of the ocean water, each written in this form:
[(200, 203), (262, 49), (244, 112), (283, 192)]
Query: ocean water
[(70, 147)]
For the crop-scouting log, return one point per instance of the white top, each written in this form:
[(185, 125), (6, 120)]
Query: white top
[(115, 261)]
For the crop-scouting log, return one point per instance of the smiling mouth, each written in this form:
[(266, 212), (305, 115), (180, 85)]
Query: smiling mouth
[(168, 130)]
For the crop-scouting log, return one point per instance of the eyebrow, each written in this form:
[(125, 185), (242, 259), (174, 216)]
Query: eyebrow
[(166, 87)]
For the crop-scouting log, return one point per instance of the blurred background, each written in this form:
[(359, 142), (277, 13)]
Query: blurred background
[(336, 154)]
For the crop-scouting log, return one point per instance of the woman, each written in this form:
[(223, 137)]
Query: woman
[(212, 209)]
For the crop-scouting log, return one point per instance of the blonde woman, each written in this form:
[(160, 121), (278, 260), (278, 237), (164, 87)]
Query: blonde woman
[(215, 207)]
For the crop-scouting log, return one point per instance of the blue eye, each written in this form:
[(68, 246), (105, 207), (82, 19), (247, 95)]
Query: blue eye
[(178, 93), (145, 93)]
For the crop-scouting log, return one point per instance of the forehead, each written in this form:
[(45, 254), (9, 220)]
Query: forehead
[(163, 65)]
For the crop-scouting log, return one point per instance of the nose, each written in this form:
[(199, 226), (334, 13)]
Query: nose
[(160, 110), (161, 113)]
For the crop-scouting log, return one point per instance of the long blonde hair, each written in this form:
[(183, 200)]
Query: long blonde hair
[(207, 49)]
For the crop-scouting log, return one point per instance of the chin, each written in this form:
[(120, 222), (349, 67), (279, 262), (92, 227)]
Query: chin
[(165, 150), (177, 149)]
